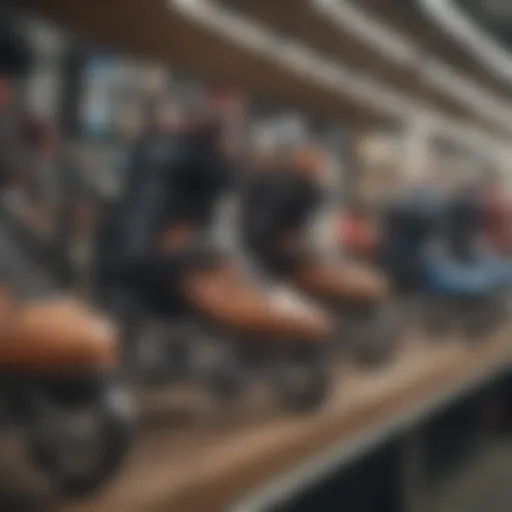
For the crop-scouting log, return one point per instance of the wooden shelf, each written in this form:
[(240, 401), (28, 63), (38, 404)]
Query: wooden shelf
[(237, 460)]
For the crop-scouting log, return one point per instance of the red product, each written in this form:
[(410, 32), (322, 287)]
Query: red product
[(355, 234), (498, 223)]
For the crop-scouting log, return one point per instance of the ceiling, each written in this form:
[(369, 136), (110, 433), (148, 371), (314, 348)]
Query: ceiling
[(122, 25), (295, 20)]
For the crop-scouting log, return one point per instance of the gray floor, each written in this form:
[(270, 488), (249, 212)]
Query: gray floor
[(484, 486)]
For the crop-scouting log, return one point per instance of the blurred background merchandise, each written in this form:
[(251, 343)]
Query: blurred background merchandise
[(396, 115)]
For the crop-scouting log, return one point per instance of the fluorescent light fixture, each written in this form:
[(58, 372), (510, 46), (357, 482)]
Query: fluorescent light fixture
[(398, 48), (459, 26), (296, 57), (300, 59), (381, 38)]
